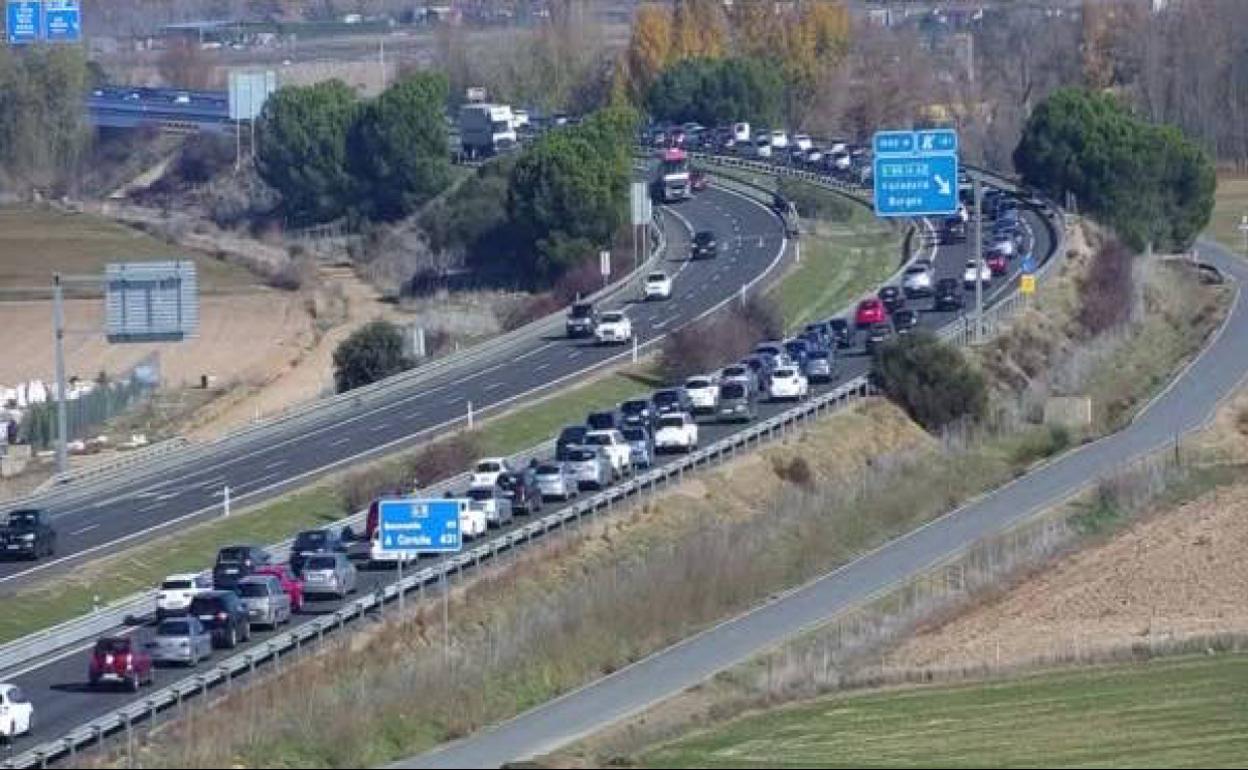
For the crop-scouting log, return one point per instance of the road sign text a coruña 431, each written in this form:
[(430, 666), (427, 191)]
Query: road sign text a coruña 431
[(916, 173), (411, 527)]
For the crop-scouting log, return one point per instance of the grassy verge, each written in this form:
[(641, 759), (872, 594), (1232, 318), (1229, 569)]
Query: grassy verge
[(1230, 204), (136, 569), (1172, 713)]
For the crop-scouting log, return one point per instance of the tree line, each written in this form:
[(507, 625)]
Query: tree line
[(43, 129)]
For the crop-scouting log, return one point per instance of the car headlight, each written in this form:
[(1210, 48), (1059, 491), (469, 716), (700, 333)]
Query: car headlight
[(29, 538)]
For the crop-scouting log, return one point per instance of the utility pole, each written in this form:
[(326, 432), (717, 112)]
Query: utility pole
[(58, 331), (979, 259), (381, 57)]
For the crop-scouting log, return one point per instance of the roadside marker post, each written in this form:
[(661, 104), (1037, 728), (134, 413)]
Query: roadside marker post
[(469, 415), (1243, 228), (225, 501)]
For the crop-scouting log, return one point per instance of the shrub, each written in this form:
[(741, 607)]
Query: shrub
[(530, 310), (719, 339), (930, 380), (203, 156), (795, 471), (371, 353), (815, 203), (1105, 294), (435, 463)]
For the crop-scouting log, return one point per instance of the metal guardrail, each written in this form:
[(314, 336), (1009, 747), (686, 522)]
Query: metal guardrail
[(766, 430), (327, 409)]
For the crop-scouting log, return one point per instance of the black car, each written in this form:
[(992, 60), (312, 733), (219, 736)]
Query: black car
[(905, 321), (892, 298), (705, 245), (224, 615), (877, 334), (948, 294), (953, 230), (314, 541), (638, 412), (761, 366), (521, 488), (602, 421), (798, 350), (821, 331), (840, 332), (671, 400), (582, 319), (992, 203), (27, 533), (236, 562), (571, 436)]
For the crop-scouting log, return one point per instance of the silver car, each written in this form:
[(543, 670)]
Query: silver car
[(641, 446), (590, 466), (180, 640), (491, 500), (819, 366), (555, 482), (328, 574), (267, 604)]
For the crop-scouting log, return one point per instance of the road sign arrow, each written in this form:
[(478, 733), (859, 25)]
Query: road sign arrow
[(945, 189)]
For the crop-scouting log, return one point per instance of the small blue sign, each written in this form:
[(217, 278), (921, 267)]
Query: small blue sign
[(62, 21), (916, 186), (23, 22), (941, 140), (893, 142), (419, 526), (1028, 264)]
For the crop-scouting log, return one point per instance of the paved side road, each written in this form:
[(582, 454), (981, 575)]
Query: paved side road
[(1188, 403)]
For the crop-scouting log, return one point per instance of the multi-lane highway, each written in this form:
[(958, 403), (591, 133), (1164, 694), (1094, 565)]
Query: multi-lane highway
[(754, 245)]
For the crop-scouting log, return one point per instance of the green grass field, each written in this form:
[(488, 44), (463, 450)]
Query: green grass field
[(35, 242), (1229, 207), (1186, 712)]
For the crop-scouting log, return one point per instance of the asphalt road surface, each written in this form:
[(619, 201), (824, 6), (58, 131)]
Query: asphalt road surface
[(58, 689), (1188, 403)]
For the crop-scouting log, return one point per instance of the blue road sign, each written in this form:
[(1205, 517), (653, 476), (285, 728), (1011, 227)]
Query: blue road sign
[(23, 22), (62, 21), (916, 186), (893, 142), (407, 527), (1028, 264), (940, 140)]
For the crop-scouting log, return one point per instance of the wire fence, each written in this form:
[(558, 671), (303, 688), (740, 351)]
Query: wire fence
[(93, 405)]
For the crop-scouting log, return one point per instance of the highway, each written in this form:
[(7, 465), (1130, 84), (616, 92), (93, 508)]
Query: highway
[(1187, 404), (122, 107), (57, 688)]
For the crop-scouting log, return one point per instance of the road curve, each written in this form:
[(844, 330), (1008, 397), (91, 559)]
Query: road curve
[(1188, 403)]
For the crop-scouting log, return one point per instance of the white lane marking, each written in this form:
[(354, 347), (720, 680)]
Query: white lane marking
[(573, 353), (540, 367), (274, 464), (662, 323), (494, 385), (340, 441), (455, 401), (413, 415), (379, 427), (255, 481), (150, 507), (87, 528)]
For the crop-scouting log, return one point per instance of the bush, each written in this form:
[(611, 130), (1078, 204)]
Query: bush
[(438, 462), (530, 310), (203, 156), (719, 339), (796, 471), (930, 380), (814, 203), (370, 354), (1106, 292)]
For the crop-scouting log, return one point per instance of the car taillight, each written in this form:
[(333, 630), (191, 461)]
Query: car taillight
[(129, 661), (222, 616), (108, 659)]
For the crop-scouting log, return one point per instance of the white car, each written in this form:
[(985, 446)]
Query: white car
[(472, 521), (779, 140), (762, 147), (917, 281), (486, 472), (182, 99), (519, 118), (658, 286), (177, 591), (788, 382), (741, 132), (1003, 245), (703, 393), (16, 712), (803, 142), (973, 266), (841, 161), (677, 430), (491, 502), (838, 148), (613, 327), (616, 448)]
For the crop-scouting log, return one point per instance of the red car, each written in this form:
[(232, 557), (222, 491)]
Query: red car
[(120, 660), (870, 311), (291, 583), (699, 181), (997, 263)]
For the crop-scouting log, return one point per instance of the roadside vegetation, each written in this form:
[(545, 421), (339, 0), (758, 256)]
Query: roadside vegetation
[(1230, 204)]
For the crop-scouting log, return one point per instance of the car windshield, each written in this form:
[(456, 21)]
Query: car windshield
[(819, 355), (612, 318), (667, 397), (253, 589), (673, 421), (582, 455), (232, 556), (322, 562), (549, 470), (582, 311), (174, 628), (704, 237), (782, 373), (489, 467), (310, 541), (23, 518), (112, 646), (634, 407), (598, 439), (732, 390), (735, 371), (176, 585), (634, 434), (698, 382), (480, 494), (657, 277), (572, 434), (839, 323), (916, 270)]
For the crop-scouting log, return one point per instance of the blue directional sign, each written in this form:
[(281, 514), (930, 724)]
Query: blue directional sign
[(408, 527), (1028, 263), (62, 21), (23, 22), (916, 173)]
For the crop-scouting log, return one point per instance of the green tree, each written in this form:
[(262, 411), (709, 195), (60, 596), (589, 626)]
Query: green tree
[(932, 381), (1149, 182), (370, 354), (43, 128), (715, 91), (398, 147), (302, 149)]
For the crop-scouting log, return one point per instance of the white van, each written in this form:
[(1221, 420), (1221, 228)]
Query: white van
[(741, 132)]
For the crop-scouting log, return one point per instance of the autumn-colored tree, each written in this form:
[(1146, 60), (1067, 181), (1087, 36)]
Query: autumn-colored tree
[(183, 64), (699, 30), (816, 40), (757, 28), (649, 49)]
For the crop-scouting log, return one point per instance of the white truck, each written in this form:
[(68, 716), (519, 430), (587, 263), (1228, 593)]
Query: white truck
[(486, 129), (677, 431), (616, 448)]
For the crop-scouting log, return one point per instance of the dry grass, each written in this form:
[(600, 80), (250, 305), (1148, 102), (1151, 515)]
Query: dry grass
[(1230, 204)]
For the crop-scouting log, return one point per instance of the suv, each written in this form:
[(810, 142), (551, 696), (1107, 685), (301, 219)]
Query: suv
[(492, 502), (223, 614), (677, 430), (521, 488), (637, 412), (267, 604), (571, 436), (616, 448), (705, 245), (602, 421), (841, 332), (892, 298), (641, 445), (176, 593), (737, 402), (329, 573), (582, 319), (27, 533), (703, 394), (236, 562), (671, 400), (948, 294), (121, 660), (313, 541)]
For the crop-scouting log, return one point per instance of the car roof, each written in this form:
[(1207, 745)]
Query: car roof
[(613, 314), (192, 576)]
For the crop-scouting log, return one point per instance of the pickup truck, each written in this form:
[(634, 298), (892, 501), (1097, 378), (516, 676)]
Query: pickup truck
[(617, 448), (27, 533), (677, 431)]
